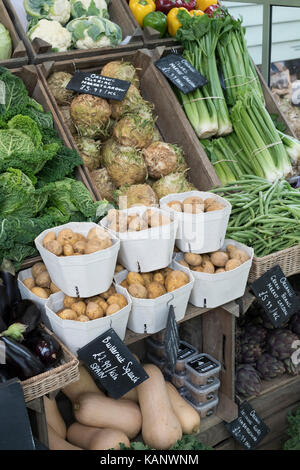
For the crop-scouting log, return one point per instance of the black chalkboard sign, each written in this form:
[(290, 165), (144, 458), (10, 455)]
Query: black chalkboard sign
[(171, 340), (15, 429), (180, 72), (248, 428), (276, 295), (98, 85), (111, 363)]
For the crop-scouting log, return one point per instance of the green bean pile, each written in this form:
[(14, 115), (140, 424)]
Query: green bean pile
[(264, 215)]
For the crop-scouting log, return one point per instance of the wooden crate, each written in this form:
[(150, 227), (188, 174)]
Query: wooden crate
[(171, 123), (150, 36), (33, 83), (19, 54), (40, 51)]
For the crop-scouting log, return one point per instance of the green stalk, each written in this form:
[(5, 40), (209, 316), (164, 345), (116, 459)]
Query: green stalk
[(292, 147)]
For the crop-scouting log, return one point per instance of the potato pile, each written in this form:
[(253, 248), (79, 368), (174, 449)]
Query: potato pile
[(216, 262), (196, 205), (121, 222), (154, 284), (40, 283), (99, 306), (69, 243)]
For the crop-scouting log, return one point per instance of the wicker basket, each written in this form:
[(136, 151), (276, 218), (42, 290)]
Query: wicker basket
[(288, 260), (54, 379)]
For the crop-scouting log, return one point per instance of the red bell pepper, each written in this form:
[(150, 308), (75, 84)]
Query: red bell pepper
[(166, 5)]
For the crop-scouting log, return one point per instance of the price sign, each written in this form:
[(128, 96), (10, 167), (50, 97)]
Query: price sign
[(111, 363), (248, 429), (276, 295), (98, 85), (171, 340), (181, 73)]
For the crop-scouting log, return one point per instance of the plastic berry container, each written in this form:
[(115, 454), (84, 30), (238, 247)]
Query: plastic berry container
[(207, 409), (155, 349), (160, 363), (177, 380), (186, 353), (203, 369), (202, 395)]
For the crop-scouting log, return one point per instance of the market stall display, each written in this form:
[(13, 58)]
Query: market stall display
[(71, 29), (12, 49)]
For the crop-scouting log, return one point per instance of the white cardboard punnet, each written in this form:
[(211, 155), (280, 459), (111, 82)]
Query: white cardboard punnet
[(28, 295), (150, 315), (146, 250), (213, 290), (75, 334), (199, 233), (85, 275)]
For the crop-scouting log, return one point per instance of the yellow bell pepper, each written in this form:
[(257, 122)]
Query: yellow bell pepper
[(196, 13), (141, 8), (173, 22), (203, 4)]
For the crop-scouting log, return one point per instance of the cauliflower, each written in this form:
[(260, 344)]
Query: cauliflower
[(57, 10), (53, 33), (92, 32), (89, 8)]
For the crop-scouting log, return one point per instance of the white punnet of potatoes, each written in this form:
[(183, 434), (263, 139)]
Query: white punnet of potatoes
[(195, 203), (140, 223)]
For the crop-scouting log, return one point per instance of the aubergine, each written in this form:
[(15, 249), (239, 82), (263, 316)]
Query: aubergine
[(21, 361), (45, 347), (27, 313)]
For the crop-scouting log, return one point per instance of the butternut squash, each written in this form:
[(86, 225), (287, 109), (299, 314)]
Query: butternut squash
[(93, 409), (57, 443), (53, 417), (187, 416), (90, 438), (83, 385), (132, 394), (161, 429)]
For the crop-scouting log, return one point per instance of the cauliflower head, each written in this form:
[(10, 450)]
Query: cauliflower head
[(89, 8), (94, 32), (53, 33), (57, 10)]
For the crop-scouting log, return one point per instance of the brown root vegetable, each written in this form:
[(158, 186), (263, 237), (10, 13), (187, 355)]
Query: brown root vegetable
[(49, 237), (183, 263), (54, 247), (97, 233), (208, 267), (102, 304), (43, 280), (148, 277), (155, 289), (57, 83), (29, 283), (157, 220), (219, 258), (230, 250), (198, 269), (38, 268), (161, 159), (103, 183), (94, 311), (67, 237), (159, 277), (172, 183), (90, 115), (117, 299), (208, 201), (193, 200), (97, 245), (121, 70), (108, 293), (232, 264), (135, 278), (137, 224), (89, 150), (216, 206), (79, 247), (176, 206), (113, 308), (135, 129), (119, 268), (124, 284), (83, 318), (193, 259), (54, 288), (175, 280), (138, 290), (193, 205), (240, 255), (79, 307), (131, 103), (220, 270), (68, 314), (66, 115), (40, 292), (136, 195), (68, 250), (69, 301), (124, 164)]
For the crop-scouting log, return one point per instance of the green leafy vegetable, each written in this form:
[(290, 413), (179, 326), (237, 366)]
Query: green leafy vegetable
[(62, 165), (15, 95), (188, 442), (293, 443), (28, 126), (5, 43)]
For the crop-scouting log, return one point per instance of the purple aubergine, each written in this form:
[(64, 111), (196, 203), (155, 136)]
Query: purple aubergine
[(45, 347), (27, 313)]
